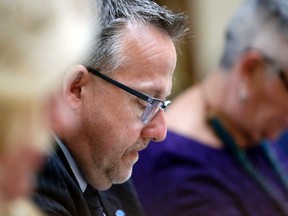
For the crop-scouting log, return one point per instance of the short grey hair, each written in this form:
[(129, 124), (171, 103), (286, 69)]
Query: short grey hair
[(116, 14), (257, 24)]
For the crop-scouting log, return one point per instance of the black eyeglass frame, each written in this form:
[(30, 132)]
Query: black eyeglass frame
[(149, 99)]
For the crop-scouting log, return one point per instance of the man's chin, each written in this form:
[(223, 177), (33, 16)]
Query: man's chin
[(123, 177)]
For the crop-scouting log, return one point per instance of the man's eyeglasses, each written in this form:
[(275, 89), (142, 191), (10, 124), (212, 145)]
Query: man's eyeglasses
[(154, 105)]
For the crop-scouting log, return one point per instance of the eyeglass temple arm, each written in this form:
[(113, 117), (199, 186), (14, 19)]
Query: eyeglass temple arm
[(120, 85)]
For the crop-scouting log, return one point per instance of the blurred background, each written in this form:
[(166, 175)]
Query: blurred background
[(202, 49)]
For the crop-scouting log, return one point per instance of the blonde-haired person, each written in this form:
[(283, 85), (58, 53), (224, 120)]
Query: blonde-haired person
[(39, 40)]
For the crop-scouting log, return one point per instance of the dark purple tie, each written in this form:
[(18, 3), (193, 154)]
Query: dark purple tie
[(92, 199)]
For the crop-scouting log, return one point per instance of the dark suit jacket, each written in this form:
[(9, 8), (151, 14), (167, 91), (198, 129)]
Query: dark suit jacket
[(58, 193)]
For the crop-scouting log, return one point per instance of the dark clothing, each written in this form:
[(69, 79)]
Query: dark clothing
[(183, 177), (58, 192), (283, 142)]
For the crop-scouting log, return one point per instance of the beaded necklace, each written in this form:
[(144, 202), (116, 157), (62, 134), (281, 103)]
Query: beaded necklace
[(242, 158)]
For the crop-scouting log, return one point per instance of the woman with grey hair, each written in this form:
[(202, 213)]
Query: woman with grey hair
[(215, 160)]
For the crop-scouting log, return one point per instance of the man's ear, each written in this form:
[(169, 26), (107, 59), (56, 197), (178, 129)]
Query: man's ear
[(76, 78)]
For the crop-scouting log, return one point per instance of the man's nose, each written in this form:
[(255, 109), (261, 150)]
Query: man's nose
[(156, 129)]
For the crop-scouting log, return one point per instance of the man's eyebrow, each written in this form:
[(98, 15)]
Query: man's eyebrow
[(149, 88), (157, 93)]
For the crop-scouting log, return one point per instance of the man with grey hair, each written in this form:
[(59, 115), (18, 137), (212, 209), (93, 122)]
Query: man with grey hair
[(215, 160), (117, 101)]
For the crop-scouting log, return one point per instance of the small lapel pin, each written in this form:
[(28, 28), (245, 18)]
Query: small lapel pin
[(119, 212)]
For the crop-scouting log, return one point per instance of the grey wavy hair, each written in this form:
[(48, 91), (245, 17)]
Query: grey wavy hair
[(116, 14), (257, 24)]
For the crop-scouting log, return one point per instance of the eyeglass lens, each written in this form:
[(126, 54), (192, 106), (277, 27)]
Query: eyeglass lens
[(151, 110)]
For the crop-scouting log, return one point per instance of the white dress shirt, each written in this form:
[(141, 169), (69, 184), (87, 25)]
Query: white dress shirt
[(79, 177)]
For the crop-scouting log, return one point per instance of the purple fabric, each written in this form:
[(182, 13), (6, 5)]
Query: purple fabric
[(180, 177)]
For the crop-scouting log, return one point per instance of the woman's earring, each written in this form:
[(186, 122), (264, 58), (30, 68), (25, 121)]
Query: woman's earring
[(242, 92)]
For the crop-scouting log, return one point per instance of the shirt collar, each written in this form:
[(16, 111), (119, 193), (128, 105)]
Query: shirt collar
[(79, 177)]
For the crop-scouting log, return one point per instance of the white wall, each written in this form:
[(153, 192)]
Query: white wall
[(209, 19)]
